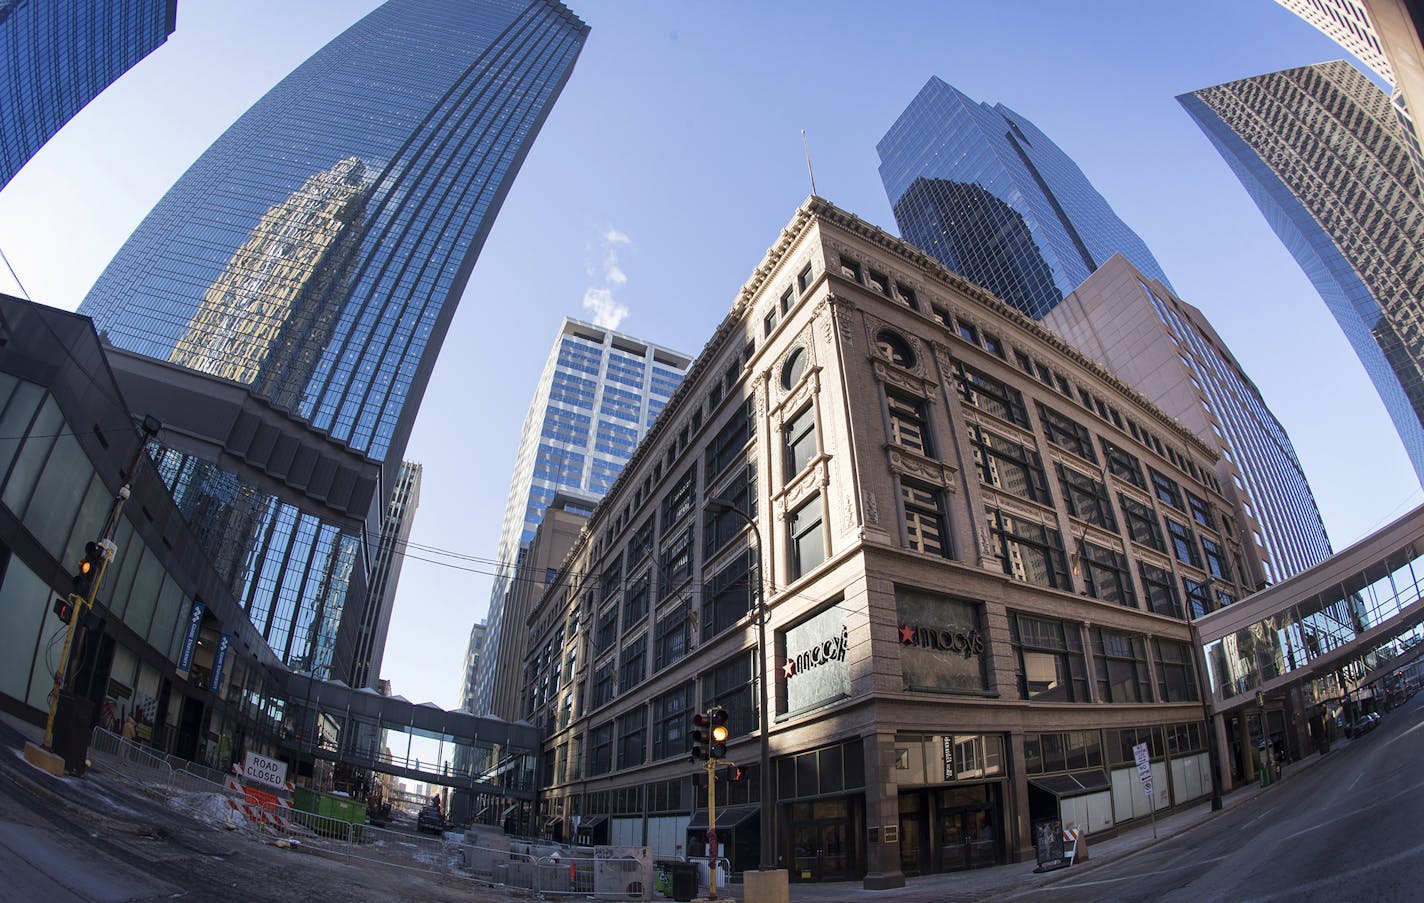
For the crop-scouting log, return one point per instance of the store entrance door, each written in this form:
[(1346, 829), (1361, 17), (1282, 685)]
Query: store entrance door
[(821, 841), (969, 837)]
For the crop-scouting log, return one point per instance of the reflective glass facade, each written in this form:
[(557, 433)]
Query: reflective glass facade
[(59, 56), (983, 191), (1319, 151), (316, 252), (598, 395)]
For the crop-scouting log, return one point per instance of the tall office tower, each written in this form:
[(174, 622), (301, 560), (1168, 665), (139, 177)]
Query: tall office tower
[(385, 575), (59, 56), (982, 190), (1318, 150), (315, 254), (1385, 36), (1164, 348), (993, 199), (598, 395)]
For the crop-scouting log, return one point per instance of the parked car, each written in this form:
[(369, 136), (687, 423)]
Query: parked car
[(1363, 725), (430, 819)]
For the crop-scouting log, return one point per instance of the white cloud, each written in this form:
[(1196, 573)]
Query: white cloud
[(608, 275), (607, 312)]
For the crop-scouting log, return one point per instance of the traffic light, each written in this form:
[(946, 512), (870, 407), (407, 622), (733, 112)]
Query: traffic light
[(717, 718), (64, 608), (700, 738), (88, 571)]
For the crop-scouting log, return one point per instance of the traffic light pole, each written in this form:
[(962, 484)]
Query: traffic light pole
[(711, 828)]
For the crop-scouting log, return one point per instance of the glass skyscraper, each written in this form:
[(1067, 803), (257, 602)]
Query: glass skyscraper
[(983, 191), (598, 395), (315, 253), (56, 57), (1320, 152)]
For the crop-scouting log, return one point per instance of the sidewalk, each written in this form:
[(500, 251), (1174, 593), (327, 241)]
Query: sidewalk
[(1019, 878)]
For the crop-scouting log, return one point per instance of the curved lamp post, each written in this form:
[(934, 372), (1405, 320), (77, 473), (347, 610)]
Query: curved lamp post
[(768, 846)]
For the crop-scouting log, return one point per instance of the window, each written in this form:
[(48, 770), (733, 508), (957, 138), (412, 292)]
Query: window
[(1024, 361), (1142, 524), (994, 345), (720, 526), (800, 434), (1198, 595), (941, 316), (601, 692), (676, 563), (1216, 563), (641, 543), (1183, 543), (606, 631), (1050, 659), (803, 279), (632, 731), (1086, 498), (730, 686), (635, 601), (734, 435), (1166, 489), (907, 295), (1176, 681), (1009, 465), (793, 369), (1161, 591), (925, 527), (968, 333), (1028, 551), (895, 348), (1106, 576), (850, 269), (807, 547), (880, 282), (727, 597), (1122, 667), (788, 298), (770, 321), (909, 423), (612, 579), (1068, 751), (600, 749), (991, 395), (1201, 511), (633, 663), (1067, 433), (672, 718), (1122, 464), (679, 500), (672, 638)]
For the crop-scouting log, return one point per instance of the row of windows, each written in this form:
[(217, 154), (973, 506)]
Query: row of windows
[(1051, 665)]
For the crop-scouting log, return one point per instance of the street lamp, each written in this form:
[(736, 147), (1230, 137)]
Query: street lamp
[(768, 847)]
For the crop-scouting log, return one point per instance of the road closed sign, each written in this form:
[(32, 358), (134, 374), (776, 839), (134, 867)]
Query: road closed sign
[(264, 770), (1144, 767)]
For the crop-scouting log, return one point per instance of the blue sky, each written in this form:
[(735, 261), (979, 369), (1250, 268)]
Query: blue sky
[(680, 130)]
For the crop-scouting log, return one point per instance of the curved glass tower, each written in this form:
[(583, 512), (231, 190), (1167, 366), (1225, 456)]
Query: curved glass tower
[(982, 190), (316, 252)]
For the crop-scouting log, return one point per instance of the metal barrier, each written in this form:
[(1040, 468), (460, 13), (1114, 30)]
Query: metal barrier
[(128, 753)]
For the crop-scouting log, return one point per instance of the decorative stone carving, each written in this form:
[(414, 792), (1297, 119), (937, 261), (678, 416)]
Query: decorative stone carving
[(872, 509)]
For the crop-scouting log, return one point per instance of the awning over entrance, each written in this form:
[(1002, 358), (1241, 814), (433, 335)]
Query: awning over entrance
[(589, 822), (1074, 784), (727, 818)]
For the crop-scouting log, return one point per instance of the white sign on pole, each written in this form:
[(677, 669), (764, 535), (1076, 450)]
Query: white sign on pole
[(1144, 767), (264, 770)]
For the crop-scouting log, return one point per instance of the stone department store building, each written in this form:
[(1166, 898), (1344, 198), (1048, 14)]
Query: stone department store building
[(978, 550)]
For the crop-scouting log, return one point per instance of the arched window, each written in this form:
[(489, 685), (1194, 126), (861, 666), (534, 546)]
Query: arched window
[(895, 348), (793, 369)]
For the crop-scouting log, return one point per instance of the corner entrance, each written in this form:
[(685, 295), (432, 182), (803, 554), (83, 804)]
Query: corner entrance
[(951, 829), (822, 841)]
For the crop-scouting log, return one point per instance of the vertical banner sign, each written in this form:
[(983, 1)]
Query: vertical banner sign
[(190, 640), (949, 757), (1144, 767), (219, 660)]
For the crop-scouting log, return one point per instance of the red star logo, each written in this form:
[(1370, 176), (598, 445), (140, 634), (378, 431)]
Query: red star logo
[(907, 634), (789, 669)]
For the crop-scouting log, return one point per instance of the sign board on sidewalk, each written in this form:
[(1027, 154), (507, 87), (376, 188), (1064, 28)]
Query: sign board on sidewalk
[(264, 770), (1144, 767)]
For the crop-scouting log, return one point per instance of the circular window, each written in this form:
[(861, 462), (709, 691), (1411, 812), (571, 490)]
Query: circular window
[(794, 367), (895, 348)]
